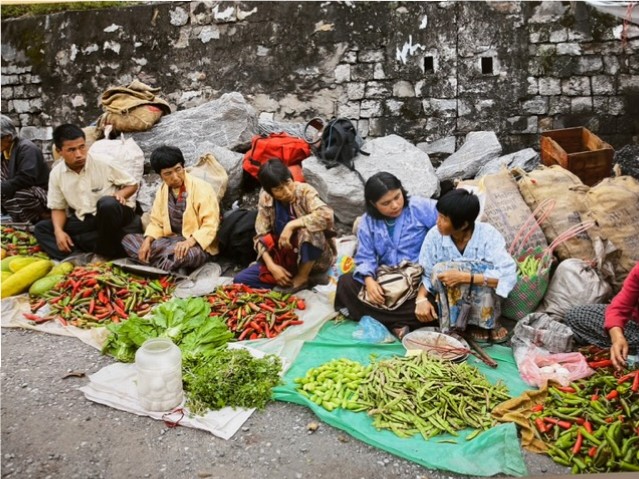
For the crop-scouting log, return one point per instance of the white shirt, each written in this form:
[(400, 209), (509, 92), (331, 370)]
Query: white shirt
[(81, 191)]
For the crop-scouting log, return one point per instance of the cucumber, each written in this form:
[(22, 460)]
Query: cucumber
[(43, 285)]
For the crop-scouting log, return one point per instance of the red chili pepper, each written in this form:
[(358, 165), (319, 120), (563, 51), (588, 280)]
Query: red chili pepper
[(253, 336), (592, 451), (566, 389), (91, 306), (541, 426), (301, 304), (537, 408), (600, 364), (266, 307), (255, 326), (635, 383), (245, 333), (62, 321), (577, 447), (580, 420), (32, 317), (558, 422), (588, 426), (594, 397), (38, 305), (115, 319), (612, 395)]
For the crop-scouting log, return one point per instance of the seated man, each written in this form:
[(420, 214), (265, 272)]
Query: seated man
[(97, 194), (184, 218), (24, 176)]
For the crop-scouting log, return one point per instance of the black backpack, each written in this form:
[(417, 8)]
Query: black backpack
[(339, 144), (236, 235)]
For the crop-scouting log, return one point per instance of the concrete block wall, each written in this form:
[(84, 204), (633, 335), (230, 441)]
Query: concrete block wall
[(422, 70)]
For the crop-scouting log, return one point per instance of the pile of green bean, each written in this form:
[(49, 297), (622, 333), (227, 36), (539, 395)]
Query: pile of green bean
[(407, 395), (427, 396)]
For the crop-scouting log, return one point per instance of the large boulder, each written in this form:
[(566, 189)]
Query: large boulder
[(479, 148), (527, 160), (229, 122), (343, 189)]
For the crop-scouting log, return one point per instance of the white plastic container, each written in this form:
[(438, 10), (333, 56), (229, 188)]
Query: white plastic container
[(159, 365)]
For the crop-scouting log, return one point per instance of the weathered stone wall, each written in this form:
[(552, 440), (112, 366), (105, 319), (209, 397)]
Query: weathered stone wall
[(422, 70)]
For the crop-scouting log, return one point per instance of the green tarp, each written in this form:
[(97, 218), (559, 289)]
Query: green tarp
[(495, 451)]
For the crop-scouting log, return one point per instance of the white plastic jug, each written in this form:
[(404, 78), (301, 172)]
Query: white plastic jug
[(159, 365)]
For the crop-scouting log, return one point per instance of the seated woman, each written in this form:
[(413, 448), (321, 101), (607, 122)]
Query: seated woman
[(294, 233), (184, 218), (392, 230), (460, 254), (590, 323)]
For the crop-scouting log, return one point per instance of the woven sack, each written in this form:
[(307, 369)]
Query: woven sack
[(569, 193), (140, 118), (210, 170)]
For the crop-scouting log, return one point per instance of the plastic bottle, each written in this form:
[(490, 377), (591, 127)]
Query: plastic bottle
[(159, 365)]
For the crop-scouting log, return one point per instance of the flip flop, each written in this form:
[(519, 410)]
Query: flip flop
[(471, 331)]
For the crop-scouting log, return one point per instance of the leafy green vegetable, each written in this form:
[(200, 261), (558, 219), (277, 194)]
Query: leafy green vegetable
[(185, 321), (230, 377)]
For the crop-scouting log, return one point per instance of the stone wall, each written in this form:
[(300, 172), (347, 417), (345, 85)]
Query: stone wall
[(422, 70)]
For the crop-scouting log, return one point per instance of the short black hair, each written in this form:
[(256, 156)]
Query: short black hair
[(461, 206), (377, 186), (272, 174), (166, 157), (66, 132)]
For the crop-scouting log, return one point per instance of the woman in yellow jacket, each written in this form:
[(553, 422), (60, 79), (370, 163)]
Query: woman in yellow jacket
[(184, 218)]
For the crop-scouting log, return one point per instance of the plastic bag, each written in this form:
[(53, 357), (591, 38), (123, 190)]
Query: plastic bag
[(369, 330), (537, 366)]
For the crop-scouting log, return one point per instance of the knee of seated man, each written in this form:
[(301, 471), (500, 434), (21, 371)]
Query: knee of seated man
[(107, 203)]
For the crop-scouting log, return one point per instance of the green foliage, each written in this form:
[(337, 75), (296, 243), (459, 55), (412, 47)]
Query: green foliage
[(185, 321), (230, 377), (13, 11)]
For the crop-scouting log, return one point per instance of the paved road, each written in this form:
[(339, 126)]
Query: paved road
[(49, 430)]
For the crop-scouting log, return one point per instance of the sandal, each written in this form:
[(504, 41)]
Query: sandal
[(400, 332), (292, 289)]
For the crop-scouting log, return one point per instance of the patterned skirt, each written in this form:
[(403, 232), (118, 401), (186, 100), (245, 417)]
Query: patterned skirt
[(162, 252)]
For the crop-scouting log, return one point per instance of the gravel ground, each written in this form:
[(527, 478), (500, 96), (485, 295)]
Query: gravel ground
[(49, 430)]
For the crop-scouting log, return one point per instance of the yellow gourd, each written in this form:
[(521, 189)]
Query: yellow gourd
[(3, 253), (63, 268), (23, 262), (21, 280), (6, 274), (4, 265)]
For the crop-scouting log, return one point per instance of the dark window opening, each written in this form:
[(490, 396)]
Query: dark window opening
[(487, 65), (429, 64)]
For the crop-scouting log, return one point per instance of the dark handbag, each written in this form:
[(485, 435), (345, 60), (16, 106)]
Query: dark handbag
[(465, 308), (400, 283)]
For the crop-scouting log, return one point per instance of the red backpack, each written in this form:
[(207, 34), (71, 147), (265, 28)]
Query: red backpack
[(290, 149)]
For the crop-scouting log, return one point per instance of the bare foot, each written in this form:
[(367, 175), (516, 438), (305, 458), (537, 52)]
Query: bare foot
[(499, 334), (478, 334)]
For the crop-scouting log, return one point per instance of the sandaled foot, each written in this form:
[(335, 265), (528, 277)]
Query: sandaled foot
[(292, 289), (478, 334), (499, 335), (400, 332)]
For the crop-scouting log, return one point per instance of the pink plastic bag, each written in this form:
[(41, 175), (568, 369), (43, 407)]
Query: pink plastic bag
[(537, 366)]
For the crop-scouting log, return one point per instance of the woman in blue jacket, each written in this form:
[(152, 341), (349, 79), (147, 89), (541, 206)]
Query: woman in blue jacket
[(392, 230)]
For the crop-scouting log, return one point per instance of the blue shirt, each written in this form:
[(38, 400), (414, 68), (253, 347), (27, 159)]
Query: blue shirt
[(376, 246), (486, 244)]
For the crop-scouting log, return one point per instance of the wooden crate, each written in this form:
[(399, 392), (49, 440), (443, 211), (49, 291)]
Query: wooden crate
[(579, 151)]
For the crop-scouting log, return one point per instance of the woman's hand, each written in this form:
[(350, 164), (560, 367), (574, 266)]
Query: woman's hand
[(287, 234), (374, 291), (619, 348), (282, 277), (182, 248), (144, 252), (452, 278), (425, 311)]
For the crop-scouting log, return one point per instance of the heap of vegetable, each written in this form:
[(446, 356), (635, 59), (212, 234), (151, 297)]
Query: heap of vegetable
[(15, 241), (187, 322), (255, 313), (528, 267), (230, 378), (93, 295), (592, 425), (408, 395)]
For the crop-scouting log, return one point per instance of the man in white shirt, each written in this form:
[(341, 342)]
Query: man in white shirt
[(97, 195)]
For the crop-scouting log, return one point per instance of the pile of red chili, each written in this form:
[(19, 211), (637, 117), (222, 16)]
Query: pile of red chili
[(252, 313), (592, 425), (95, 294)]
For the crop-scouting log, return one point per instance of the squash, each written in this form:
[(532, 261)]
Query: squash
[(3, 253), (63, 268), (45, 284), (18, 264), (6, 274), (20, 281), (4, 265)]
